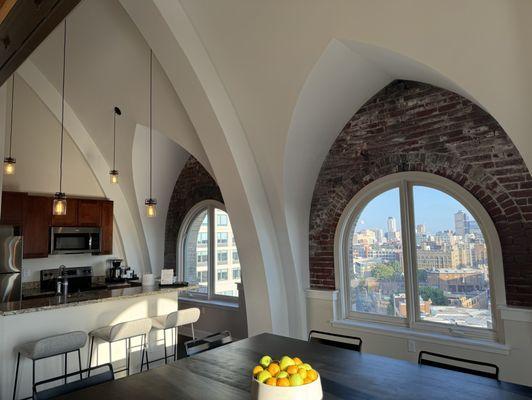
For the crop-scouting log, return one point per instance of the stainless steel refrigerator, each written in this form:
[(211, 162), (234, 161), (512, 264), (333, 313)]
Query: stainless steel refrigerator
[(10, 264)]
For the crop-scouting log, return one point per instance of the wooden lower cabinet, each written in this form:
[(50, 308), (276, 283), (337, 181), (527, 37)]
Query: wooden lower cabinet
[(36, 226)]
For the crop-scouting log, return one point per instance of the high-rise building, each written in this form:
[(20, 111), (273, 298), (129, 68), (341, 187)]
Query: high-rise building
[(392, 226), (460, 223), (420, 229)]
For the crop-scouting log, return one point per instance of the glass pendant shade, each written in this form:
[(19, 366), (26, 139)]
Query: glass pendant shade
[(60, 204), (151, 207), (113, 176), (9, 165)]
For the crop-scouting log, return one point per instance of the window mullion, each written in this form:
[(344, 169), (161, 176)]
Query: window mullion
[(211, 253), (409, 250)]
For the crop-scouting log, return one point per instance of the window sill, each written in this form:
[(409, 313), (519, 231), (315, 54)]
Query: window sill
[(487, 346), (225, 305)]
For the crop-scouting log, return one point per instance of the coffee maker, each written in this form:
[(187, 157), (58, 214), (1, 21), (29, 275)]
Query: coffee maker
[(115, 271)]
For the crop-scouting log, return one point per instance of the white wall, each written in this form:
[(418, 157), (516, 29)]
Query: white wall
[(168, 160)]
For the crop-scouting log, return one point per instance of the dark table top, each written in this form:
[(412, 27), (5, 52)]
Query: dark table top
[(225, 373)]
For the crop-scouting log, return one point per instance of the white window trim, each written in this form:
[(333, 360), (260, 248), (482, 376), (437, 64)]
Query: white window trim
[(210, 206), (405, 181)]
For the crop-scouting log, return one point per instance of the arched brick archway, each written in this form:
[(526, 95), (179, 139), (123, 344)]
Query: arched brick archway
[(412, 126), (193, 185)]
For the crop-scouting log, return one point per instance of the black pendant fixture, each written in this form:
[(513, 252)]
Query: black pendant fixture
[(9, 161), (151, 203), (60, 203), (113, 174)]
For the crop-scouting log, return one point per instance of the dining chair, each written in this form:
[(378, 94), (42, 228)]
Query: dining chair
[(208, 343), (334, 339), (105, 375), (464, 365)]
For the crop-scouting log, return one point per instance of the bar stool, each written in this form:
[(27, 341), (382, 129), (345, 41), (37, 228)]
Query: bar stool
[(123, 331), (173, 321), (50, 347)]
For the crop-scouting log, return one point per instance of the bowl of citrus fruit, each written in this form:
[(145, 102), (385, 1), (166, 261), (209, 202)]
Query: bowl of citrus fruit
[(285, 379)]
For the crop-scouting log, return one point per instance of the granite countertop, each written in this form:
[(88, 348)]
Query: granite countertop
[(52, 302)]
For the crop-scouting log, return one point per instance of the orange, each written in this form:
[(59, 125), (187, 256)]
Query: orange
[(271, 381), (274, 369), (307, 380), (297, 360), (302, 372), (312, 374), (283, 382), (292, 369), (257, 370)]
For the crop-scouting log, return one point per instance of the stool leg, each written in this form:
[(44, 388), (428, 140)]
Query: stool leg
[(33, 376), (165, 355), (66, 367), (79, 362), (174, 342), (110, 354), (146, 350), (193, 336), (128, 353), (16, 378), (142, 350), (90, 357)]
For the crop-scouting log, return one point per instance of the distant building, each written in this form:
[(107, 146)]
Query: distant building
[(392, 225), (460, 223), (421, 229), (465, 280)]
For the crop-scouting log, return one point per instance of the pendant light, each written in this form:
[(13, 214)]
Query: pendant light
[(151, 203), (113, 174), (60, 203), (9, 162)]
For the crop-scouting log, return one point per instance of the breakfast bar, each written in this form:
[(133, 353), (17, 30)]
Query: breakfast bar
[(36, 318)]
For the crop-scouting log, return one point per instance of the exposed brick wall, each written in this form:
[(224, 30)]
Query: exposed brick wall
[(410, 126), (193, 185)]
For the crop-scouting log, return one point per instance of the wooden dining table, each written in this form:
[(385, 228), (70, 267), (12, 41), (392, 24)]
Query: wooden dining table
[(225, 373)]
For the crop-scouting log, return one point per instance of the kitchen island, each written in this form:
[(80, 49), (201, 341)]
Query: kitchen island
[(34, 318)]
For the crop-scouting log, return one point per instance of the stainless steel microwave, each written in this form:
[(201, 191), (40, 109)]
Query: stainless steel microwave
[(74, 240)]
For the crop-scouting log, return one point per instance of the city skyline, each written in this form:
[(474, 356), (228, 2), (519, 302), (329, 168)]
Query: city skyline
[(426, 201)]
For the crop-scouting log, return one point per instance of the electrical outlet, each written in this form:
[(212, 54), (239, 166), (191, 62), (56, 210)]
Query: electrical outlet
[(26, 274), (411, 346)]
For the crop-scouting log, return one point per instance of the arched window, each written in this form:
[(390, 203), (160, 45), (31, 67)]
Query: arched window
[(418, 250), (207, 250)]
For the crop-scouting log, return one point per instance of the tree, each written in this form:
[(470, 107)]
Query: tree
[(436, 295), (387, 272)]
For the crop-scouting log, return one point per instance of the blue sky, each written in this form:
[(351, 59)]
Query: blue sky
[(433, 208)]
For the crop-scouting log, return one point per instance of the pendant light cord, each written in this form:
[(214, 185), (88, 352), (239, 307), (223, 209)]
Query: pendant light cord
[(62, 111), (151, 106), (11, 121), (114, 138)]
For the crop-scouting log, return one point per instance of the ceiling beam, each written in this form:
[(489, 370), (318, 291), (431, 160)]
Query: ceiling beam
[(24, 24)]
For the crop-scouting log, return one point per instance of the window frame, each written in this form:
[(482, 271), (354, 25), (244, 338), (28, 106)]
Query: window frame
[(405, 181), (210, 206)]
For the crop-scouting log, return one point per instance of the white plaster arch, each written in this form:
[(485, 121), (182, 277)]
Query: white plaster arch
[(169, 32), (347, 74), (128, 233)]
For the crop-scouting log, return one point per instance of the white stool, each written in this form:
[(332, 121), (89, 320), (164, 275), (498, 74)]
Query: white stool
[(50, 347), (123, 331), (173, 321)]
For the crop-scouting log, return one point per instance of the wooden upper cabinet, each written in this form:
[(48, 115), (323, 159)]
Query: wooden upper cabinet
[(12, 208), (107, 227), (89, 212), (71, 217), (36, 226)]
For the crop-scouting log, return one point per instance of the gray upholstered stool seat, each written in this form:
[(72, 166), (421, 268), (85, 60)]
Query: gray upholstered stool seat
[(173, 321), (51, 346), (123, 331)]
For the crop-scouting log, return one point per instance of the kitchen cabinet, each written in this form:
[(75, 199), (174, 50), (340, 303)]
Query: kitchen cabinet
[(36, 226), (12, 208), (89, 212), (107, 227), (71, 217)]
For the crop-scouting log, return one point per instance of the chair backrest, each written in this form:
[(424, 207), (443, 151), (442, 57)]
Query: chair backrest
[(105, 375), (128, 329), (208, 343), (57, 344), (188, 316), (333, 339), (459, 364)]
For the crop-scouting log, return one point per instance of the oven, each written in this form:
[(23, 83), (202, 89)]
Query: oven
[(74, 240)]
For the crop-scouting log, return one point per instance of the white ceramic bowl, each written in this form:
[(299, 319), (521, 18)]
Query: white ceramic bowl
[(310, 391)]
